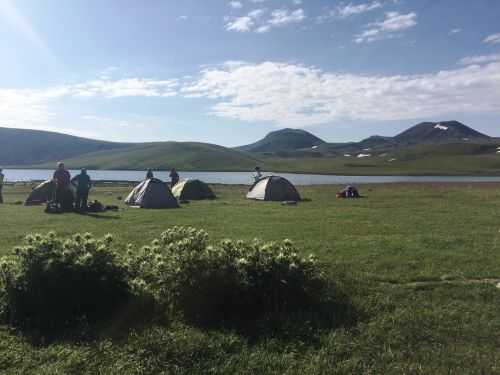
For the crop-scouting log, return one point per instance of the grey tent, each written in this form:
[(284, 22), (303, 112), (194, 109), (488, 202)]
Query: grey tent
[(192, 190), (41, 193), (273, 188), (152, 193)]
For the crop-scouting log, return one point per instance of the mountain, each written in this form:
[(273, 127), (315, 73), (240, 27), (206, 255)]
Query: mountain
[(428, 148), (165, 155), (439, 133), (284, 140), (22, 146)]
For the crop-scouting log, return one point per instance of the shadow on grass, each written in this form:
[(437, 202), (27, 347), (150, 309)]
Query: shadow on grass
[(135, 315), (99, 216), (304, 325)]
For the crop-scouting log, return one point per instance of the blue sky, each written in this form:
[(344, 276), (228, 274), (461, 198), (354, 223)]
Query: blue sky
[(228, 72)]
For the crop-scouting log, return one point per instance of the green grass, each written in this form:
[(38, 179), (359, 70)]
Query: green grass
[(390, 252)]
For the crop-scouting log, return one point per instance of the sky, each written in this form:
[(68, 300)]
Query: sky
[(228, 72)]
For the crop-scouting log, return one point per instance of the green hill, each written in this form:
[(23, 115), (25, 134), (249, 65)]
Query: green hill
[(165, 155), (284, 140), (24, 147)]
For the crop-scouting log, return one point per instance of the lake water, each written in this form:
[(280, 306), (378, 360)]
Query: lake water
[(244, 178)]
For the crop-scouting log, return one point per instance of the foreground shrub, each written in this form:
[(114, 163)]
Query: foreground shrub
[(229, 281), (51, 284)]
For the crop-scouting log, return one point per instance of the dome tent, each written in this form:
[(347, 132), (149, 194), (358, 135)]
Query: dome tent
[(41, 193), (152, 193), (192, 190), (273, 188)]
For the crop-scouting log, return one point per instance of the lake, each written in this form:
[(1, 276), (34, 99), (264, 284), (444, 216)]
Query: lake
[(244, 178)]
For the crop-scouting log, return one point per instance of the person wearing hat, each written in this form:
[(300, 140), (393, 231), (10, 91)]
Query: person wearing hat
[(1, 185), (82, 183)]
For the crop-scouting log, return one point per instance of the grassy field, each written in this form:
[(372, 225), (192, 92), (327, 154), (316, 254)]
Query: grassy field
[(418, 261)]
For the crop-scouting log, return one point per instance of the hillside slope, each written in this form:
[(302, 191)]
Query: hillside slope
[(165, 155), (23, 147), (284, 140)]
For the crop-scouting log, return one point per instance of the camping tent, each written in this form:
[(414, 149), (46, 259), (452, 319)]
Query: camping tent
[(273, 188), (192, 190), (41, 193), (152, 193)]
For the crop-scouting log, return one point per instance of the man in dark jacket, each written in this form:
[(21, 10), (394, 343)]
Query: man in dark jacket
[(82, 183), (174, 177), (64, 195), (1, 185)]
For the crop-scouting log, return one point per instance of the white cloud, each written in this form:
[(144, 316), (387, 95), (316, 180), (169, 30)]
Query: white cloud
[(394, 22), (281, 17), (125, 87), (25, 108), (351, 9), (483, 59), (240, 24), (348, 10), (255, 21), (256, 13), (34, 107), (455, 31), (297, 2), (492, 39), (236, 4), (297, 96)]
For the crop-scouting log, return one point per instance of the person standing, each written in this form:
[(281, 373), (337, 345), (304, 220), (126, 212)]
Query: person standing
[(257, 175), (149, 174), (82, 183), (1, 185), (174, 177), (64, 196)]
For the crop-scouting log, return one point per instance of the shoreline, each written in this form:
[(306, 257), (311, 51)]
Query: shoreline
[(419, 174)]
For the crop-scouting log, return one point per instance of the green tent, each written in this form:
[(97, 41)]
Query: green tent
[(192, 190), (152, 193), (273, 188)]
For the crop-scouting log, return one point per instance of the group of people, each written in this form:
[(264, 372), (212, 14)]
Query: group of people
[(63, 194), (82, 184), (174, 176)]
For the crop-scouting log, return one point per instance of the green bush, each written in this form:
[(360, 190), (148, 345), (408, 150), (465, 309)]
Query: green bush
[(51, 284), (229, 281)]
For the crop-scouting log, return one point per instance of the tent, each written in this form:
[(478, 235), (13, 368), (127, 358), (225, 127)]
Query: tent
[(273, 188), (152, 193), (192, 190), (41, 193)]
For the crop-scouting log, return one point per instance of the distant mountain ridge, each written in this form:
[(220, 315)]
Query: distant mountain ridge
[(24, 146), (446, 147), (425, 133)]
